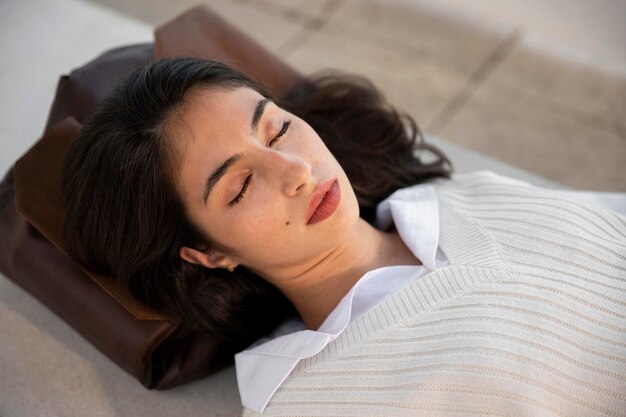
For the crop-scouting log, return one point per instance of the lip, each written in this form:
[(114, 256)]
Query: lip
[(321, 209)]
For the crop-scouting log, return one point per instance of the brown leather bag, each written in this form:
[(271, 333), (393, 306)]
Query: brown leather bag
[(151, 346)]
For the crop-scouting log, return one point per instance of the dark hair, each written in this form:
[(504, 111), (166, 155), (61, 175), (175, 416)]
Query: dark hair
[(124, 216)]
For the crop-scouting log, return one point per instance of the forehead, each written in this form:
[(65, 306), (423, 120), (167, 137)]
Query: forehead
[(214, 105), (210, 114), (208, 127)]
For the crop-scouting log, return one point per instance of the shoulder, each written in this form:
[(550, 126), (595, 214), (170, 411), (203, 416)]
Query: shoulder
[(475, 179), (482, 178), (478, 185)]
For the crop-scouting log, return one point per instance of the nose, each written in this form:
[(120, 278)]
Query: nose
[(294, 173)]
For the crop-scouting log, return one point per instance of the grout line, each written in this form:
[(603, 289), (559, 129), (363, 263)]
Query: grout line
[(329, 8), (566, 110), (280, 11), (290, 45), (475, 80), (309, 28), (383, 41)]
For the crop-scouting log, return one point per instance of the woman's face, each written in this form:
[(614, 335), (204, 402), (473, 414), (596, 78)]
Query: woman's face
[(250, 174)]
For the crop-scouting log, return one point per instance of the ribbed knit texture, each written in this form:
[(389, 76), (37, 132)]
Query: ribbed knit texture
[(528, 320)]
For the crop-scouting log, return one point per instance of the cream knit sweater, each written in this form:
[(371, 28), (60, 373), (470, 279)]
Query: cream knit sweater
[(528, 320)]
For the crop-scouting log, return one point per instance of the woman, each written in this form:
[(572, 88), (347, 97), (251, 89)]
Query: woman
[(190, 173)]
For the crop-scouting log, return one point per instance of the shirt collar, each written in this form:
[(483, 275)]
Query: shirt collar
[(415, 213), (263, 368)]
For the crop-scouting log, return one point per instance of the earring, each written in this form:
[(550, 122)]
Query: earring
[(231, 268)]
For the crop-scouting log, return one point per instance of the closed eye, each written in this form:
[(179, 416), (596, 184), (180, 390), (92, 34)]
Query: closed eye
[(282, 131), (246, 183), (242, 192)]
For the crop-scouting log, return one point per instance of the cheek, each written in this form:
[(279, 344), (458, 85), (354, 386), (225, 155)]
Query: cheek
[(261, 240), (271, 218), (263, 221)]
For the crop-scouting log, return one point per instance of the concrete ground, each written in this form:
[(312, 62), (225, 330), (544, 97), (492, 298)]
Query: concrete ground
[(494, 83), (541, 86)]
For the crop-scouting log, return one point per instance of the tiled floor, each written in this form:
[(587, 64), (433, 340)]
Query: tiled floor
[(485, 86)]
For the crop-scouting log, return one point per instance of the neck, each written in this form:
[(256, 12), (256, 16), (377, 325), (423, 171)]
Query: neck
[(316, 292)]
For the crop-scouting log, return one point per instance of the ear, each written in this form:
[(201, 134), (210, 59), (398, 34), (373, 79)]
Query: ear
[(208, 259)]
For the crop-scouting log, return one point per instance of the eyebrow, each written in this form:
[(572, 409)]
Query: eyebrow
[(258, 112), (213, 179), (218, 174)]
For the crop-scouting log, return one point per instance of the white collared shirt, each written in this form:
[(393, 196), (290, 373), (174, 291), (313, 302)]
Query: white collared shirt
[(263, 367)]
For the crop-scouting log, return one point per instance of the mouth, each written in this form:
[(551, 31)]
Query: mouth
[(324, 202)]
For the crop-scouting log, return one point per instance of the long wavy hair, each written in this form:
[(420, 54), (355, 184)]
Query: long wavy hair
[(125, 217)]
